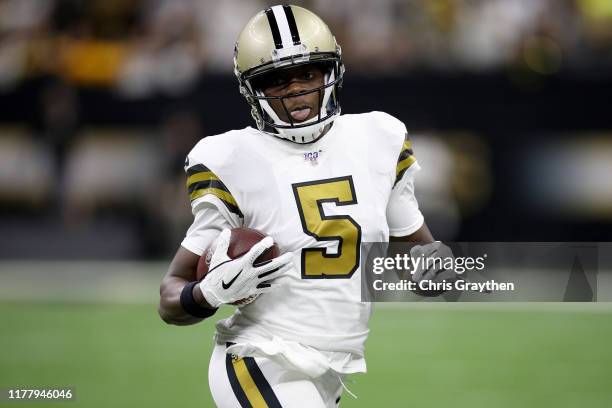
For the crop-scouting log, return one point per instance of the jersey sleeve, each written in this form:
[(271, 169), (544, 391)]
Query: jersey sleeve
[(406, 165), (403, 214), (213, 205), (204, 184), (394, 148), (207, 224)]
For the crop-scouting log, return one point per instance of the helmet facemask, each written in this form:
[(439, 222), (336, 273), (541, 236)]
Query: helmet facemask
[(300, 132)]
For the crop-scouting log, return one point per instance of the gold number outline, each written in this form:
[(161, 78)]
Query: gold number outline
[(323, 216)]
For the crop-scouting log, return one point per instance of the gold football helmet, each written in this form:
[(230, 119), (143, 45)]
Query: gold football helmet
[(278, 38)]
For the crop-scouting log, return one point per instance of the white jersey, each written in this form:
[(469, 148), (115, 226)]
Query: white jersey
[(319, 201)]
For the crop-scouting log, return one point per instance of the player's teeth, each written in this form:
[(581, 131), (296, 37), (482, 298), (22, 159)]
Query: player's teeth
[(300, 114)]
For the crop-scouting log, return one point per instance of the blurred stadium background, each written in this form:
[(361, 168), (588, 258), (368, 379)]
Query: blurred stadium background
[(509, 105)]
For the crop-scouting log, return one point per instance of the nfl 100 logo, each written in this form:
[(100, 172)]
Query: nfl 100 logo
[(312, 156)]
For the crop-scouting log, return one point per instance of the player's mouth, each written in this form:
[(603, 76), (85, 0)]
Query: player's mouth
[(301, 113)]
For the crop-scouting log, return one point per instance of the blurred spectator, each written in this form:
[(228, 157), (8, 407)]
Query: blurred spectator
[(148, 46), (169, 204), (221, 23), (166, 55), (59, 116), (57, 125)]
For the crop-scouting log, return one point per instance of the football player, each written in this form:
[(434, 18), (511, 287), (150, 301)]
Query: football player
[(318, 182)]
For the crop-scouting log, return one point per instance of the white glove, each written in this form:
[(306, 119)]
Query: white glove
[(433, 250), (230, 280)]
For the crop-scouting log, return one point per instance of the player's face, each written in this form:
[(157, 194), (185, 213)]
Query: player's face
[(292, 81)]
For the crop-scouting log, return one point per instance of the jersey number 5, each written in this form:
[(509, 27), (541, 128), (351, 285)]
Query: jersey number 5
[(317, 263)]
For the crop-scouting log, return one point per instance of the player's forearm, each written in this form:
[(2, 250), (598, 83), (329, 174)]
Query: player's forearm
[(170, 309), (181, 272), (421, 236)]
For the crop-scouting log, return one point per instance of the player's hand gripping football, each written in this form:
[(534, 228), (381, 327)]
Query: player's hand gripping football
[(230, 280)]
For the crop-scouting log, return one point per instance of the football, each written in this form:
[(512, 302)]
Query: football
[(241, 241)]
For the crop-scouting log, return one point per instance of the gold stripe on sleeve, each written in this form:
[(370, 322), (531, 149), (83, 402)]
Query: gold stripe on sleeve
[(221, 194), (201, 176), (404, 164)]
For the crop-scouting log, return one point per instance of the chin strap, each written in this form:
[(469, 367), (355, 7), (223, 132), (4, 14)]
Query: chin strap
[(302, 134)]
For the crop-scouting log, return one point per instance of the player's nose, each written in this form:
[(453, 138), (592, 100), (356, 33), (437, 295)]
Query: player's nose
[(296, 86)]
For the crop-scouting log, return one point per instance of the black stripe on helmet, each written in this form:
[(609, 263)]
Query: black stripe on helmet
[(295, 35), (278, 42)]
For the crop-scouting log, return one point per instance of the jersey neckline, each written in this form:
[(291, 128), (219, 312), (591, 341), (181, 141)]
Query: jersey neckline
[(322, 142)]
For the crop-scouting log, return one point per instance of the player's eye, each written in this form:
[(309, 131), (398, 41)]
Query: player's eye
[(278, 81), (309, 75)]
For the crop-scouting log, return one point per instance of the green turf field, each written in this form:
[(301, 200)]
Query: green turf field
[(121, 355)]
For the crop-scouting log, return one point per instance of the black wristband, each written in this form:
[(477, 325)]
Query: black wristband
[(189, 304)]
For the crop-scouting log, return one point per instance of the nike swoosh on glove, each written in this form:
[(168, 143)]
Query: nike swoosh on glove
[(230, 280)]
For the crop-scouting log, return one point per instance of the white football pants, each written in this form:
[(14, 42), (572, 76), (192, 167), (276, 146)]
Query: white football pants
[(260, 382)]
